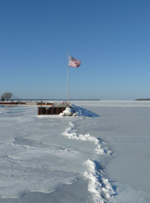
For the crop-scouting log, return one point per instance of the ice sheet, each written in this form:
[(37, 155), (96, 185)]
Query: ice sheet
[(36, 154), (126, 130)]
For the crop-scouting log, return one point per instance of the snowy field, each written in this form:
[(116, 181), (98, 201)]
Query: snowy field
[(101, 155)]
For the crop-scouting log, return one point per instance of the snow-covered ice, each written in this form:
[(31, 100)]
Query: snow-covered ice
[(103, 153)]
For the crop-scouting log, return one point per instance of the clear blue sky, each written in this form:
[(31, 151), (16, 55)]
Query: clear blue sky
[(110, 37)]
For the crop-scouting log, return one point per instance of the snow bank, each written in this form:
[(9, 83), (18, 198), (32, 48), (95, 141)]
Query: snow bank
[(77, 111), (67, 112)]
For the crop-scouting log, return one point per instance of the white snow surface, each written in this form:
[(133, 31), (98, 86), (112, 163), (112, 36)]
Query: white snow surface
[(107, 143)]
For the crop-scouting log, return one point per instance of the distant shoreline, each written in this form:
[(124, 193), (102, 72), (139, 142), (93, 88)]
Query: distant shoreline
[(142, 100), (60, 99)]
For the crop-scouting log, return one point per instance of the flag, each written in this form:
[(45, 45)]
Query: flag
[(74, 62)]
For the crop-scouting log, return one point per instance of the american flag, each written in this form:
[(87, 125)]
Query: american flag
[(74, 62)]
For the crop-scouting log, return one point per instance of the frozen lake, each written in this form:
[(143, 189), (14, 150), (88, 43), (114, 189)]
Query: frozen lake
[(102, 155)]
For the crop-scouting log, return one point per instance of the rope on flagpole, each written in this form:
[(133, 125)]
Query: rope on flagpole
[(68, 77)]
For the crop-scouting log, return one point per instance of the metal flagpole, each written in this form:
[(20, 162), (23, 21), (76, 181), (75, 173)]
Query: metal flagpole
[(68, 76)]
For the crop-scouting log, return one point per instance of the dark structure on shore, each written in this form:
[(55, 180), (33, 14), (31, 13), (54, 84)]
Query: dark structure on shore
[(50, 110)]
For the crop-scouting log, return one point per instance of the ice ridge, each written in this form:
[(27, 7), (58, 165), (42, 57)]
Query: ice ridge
[(98, 185), (71, 133)]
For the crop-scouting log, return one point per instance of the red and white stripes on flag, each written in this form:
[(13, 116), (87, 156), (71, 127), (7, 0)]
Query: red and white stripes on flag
[(74, 62)]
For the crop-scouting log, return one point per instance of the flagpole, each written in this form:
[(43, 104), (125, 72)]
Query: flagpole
[(68, 77)]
